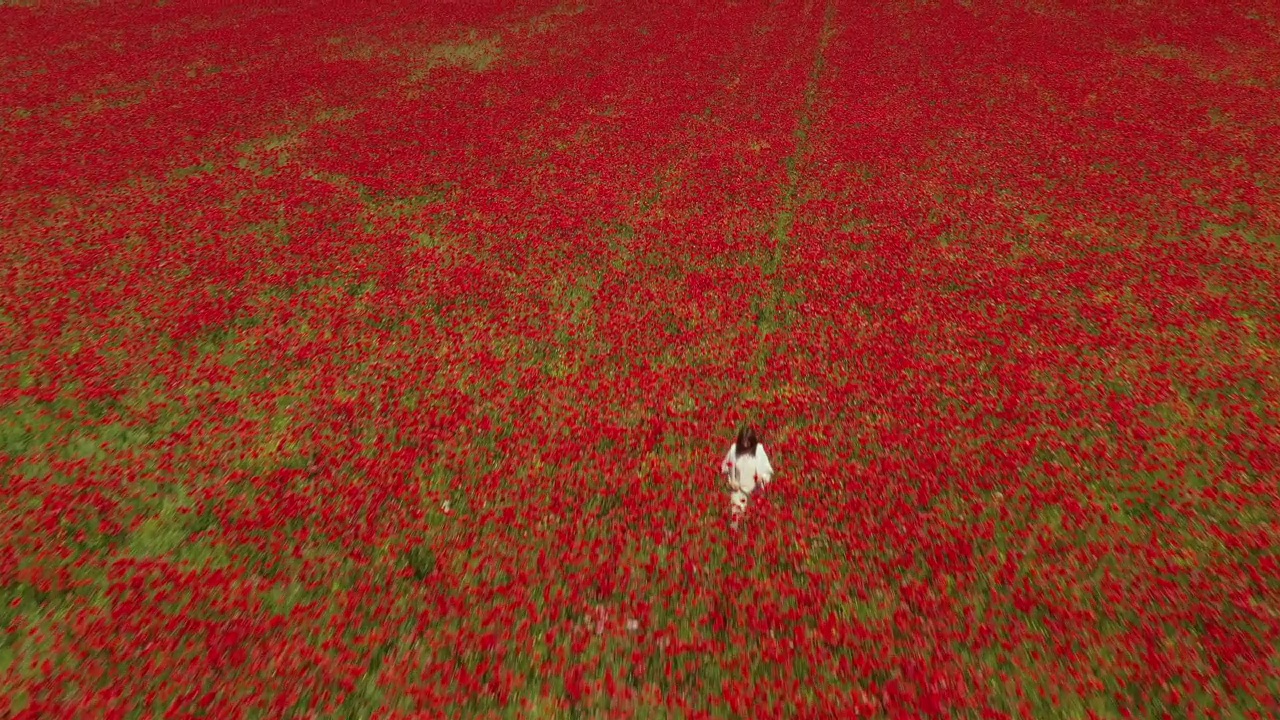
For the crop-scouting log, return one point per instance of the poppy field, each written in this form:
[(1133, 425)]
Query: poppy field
[(376, 359)]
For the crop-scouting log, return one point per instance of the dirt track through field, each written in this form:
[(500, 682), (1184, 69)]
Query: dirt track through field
[(783, 231)]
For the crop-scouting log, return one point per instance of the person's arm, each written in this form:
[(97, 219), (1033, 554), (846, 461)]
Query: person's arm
[(727, 464), (726, 469), (763, 468)]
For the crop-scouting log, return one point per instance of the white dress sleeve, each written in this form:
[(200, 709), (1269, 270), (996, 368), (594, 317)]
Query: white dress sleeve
[(728, 463), (763, 468), (727, 467)]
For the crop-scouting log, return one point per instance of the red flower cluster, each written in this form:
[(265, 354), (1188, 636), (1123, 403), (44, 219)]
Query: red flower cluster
[(375, 359)]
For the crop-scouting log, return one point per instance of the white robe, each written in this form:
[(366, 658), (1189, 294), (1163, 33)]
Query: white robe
[(746, 472)]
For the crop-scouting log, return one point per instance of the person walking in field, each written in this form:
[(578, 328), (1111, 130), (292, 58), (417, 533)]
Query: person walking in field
[(747, 467)]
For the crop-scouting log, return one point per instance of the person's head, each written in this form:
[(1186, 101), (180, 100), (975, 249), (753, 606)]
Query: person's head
[(747, 441)]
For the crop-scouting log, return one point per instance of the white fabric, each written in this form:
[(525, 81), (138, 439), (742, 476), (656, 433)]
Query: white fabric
[(744, 473), (738, 502)]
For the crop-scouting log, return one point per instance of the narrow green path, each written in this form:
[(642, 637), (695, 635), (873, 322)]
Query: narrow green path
[(773, 312)]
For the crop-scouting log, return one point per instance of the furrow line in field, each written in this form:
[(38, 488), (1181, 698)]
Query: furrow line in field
[(784, 219)]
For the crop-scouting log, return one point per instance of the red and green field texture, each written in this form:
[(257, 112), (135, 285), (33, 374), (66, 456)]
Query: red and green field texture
[(375, 359)]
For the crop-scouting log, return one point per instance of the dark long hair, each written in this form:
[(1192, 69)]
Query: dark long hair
[(746, 442)]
